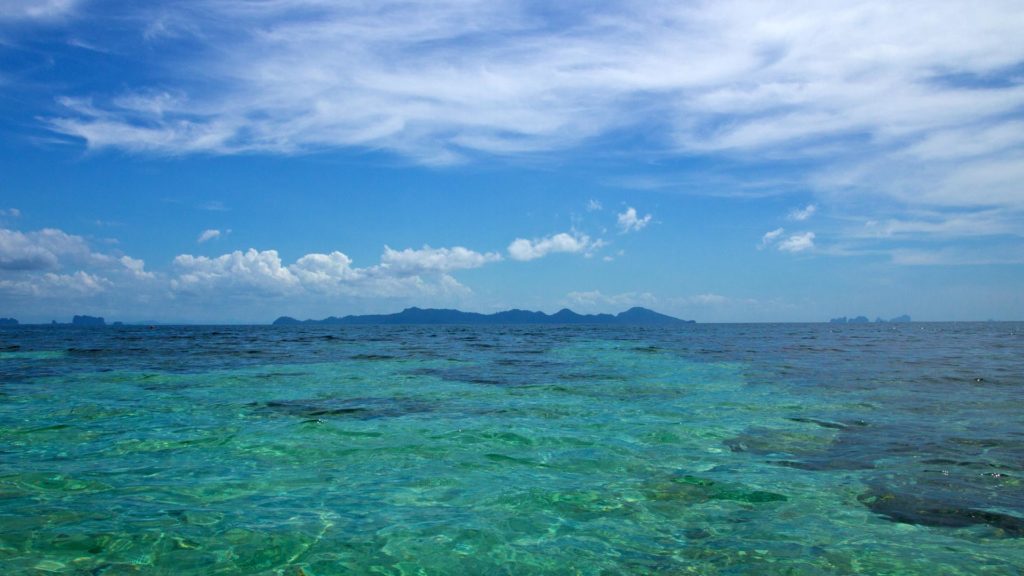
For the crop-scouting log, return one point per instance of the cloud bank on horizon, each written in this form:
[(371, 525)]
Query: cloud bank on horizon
[(51, 265), (896, 127)]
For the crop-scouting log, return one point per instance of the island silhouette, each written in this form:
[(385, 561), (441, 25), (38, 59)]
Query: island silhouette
[(633, 317)]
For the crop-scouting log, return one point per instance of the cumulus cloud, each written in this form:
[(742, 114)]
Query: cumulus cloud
[(594, 205), (50, 264), (797, 242), (17, 252), (523, 250), (408, 272), (429, 259), (51, 284), (794, 243), (136, 267), (801, 214), (208, 235), (41, 249), (256, 269), (630, 222), (325, 271)]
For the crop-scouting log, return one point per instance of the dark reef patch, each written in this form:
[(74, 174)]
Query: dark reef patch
[(908, 508), (358, 408)]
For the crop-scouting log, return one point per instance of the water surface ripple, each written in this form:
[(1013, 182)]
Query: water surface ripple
[(705, 449)]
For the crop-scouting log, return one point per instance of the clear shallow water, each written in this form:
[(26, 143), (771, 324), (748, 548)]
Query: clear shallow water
[(708, 449)]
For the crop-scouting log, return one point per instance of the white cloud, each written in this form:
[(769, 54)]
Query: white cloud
[(594, 205), (208, 235), (797, 242), (968, 141), (253, 269), (596, 300), (770, 237), (868, 101), (429, 259), (17, 252), (325, 271), (41, 249), (708, 299), (12, 212), (400, 273), (52, 285), (49, 264), (747, 75), (794, 243), (35, 9), (630, 222), (612, 257), (54, 265), (802, 214), (136, 267), (940, 225), (950, 256), (80, 282), (522, 249)]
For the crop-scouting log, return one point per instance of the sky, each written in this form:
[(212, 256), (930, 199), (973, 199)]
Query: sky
[(231, 161)]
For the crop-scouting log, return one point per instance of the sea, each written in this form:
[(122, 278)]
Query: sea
[(419, 450)]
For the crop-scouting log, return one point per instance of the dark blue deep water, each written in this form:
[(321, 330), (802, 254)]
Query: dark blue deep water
[(704, 449)]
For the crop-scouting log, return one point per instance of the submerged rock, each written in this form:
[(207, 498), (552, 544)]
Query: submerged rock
[(358, 408), (913, 509), (818, 445)]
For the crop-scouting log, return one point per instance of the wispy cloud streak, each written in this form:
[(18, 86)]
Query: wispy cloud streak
[(437, 81)]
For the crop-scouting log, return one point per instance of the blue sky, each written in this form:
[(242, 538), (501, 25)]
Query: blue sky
[(232, 161)]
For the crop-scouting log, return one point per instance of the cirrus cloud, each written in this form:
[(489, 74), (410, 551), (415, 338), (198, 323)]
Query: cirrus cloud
[(36, 9), (891, 107), (440, 81)]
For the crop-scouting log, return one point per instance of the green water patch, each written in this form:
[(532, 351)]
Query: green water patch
[(689, 490), (48, 483)]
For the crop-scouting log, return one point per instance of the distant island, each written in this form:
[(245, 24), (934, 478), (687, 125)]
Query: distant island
[(88, 321), (8, 322), (864, 320), (632, 317)]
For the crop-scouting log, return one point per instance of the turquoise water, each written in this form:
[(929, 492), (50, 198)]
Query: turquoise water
[(708, 449)]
